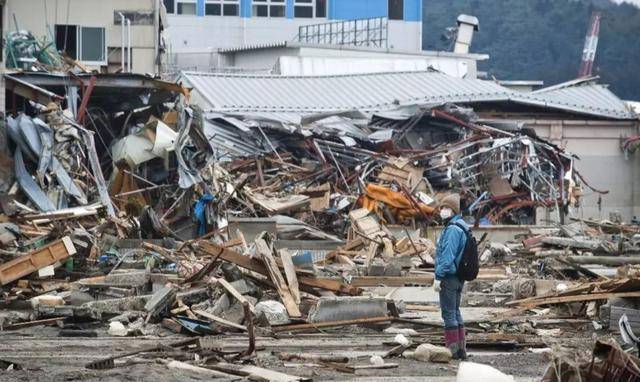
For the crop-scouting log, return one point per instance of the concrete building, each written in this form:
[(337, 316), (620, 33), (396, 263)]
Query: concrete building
[(199, 28), (303, 59), (91, 30)]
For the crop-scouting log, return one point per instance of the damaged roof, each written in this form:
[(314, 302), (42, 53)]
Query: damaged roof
[(580, 96), (315, 94), (372, 92)]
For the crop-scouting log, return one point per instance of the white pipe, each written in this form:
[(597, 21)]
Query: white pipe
[(121, 42), (128, 46), (156, 36)]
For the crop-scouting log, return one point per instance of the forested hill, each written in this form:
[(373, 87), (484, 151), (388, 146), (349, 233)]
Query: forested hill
[(543, 39)]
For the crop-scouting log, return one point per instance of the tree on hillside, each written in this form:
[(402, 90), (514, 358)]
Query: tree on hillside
[(543, 39)]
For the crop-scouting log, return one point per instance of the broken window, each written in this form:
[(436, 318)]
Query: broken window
[(303, 9), (268, 8), (222, 8), (186, 7), (66, 40), (87, 44), (396, 9)]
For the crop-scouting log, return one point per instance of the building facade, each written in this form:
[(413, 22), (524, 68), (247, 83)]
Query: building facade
[(199, 28), (301, 59), (91, 31)]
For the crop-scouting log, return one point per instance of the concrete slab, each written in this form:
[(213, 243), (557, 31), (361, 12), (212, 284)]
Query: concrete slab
[(348, 308)]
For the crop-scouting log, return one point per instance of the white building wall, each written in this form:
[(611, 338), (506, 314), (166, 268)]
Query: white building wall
[(31, 16), (195, 40), (323, 60), (602, 163)]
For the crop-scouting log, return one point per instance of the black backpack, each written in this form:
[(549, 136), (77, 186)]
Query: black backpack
[(469, 265)]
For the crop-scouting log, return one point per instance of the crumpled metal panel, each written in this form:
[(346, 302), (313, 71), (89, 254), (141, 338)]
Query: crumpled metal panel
[(37, 138), (188, 174), (29, 186)]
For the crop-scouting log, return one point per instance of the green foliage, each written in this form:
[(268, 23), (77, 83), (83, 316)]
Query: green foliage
[(543, 39)]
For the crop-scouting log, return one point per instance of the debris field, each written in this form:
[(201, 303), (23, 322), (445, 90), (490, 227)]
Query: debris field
[(141, 236)]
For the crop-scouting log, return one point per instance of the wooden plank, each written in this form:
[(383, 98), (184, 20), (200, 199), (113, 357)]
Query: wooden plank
[(234, 292), (290, 273), (613, 261), (220, 320), (24, 265), (328, 324), (371, 253), (577, 298), (334, 285), (255, 373), (395, 281), (183, 366), (46, 321), (384, 366), (263, 249), (423, 308)]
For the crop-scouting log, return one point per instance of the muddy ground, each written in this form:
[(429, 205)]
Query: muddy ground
[(47, 357)]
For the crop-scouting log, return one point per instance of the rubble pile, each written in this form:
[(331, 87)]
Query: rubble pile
[(127, 211)]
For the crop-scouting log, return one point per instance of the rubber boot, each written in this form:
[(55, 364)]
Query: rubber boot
[(462, 343), (451, 341)]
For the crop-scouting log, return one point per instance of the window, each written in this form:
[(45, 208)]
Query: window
[(87, 44), (170, 5), (268, 8), (309, 8), (222, 8), (186, 7), (303, 8), (396, 9), (321, 8)]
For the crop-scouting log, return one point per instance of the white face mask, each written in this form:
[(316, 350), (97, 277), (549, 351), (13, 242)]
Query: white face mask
[(446, 213)]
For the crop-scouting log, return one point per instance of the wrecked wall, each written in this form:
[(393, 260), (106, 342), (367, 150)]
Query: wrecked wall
[(34, 16), (602, 162)]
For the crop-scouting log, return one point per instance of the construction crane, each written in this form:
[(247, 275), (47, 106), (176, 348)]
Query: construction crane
[(590, 45)]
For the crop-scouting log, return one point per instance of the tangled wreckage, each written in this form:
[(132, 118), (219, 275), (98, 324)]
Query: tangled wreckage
[(124, 201)]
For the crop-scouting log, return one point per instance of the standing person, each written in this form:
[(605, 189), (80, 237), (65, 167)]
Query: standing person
[(448, 254)]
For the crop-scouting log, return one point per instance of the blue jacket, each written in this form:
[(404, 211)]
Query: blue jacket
[(450, 247)]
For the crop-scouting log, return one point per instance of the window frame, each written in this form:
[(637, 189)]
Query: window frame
[(105, 60), (304, 4), (194, 2), (79, 53), (401, 10), (315, 9), (269, 4), (222, 3), (175, 10)]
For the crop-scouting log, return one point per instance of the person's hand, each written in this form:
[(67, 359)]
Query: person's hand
[(436, 285)]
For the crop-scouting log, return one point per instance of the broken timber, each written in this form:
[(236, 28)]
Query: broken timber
[(576, 298), (22, 266), (329, 324), (266, 252), (334, 285)]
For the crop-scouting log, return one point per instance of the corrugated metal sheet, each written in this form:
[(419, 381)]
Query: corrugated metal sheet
[(588, 98), (272, 94), (315, 94)]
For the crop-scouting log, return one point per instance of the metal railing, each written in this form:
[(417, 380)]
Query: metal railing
[(371, 32)]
